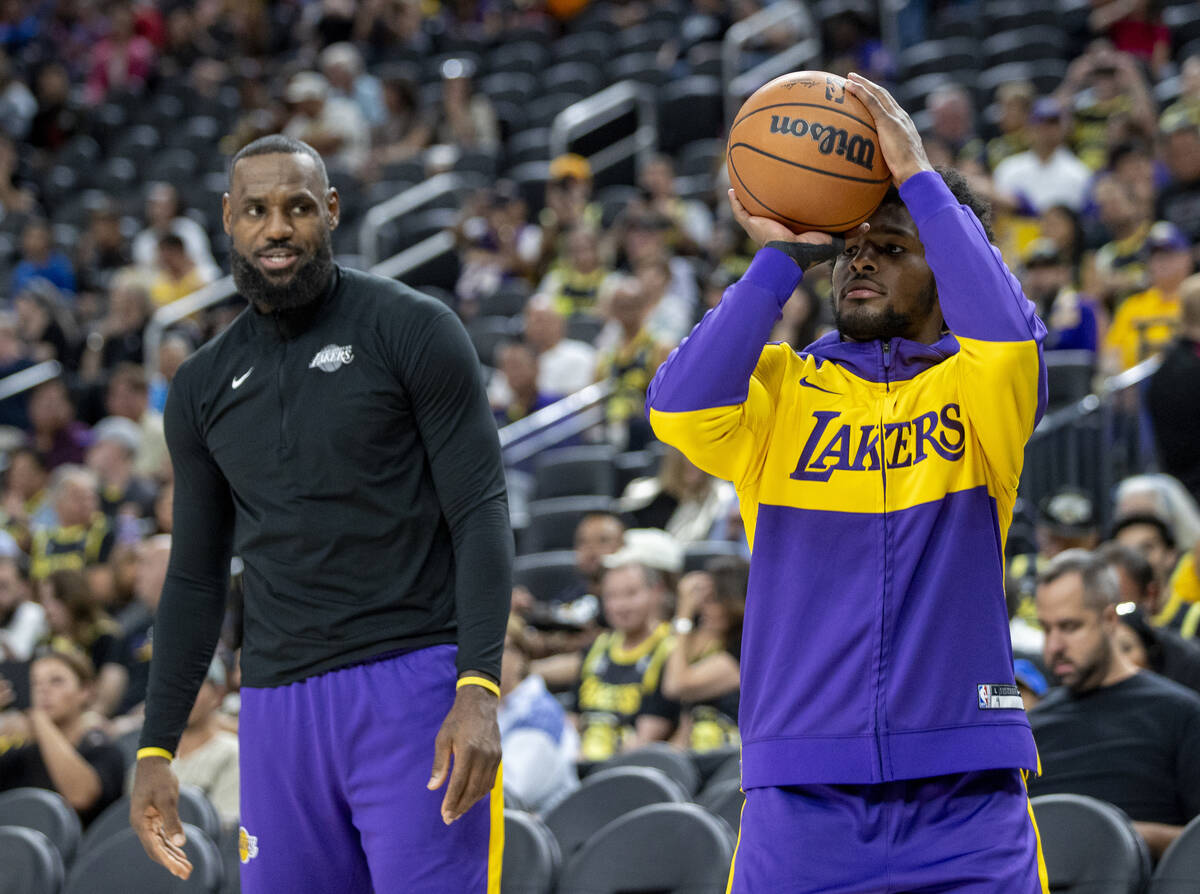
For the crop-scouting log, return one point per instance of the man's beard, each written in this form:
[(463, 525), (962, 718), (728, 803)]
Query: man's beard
[(869, 324), (307, 283)]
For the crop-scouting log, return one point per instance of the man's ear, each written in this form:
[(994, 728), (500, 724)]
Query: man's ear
[(333, 207), (226, 215)]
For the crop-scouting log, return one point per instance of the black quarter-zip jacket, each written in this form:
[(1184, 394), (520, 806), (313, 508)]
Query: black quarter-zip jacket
[(349, 457)]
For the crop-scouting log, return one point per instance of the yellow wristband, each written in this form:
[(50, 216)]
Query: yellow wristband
[(479, 681), (154, 752)]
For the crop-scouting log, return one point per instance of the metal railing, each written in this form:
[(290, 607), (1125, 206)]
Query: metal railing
[(602, 108), (1092, 443), (30, 377), (803, 53), (405, 202), (551, 425)]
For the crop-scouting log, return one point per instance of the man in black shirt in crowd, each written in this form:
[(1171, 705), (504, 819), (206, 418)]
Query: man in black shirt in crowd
[(337, 437), (1172, 398), (1111, 731)]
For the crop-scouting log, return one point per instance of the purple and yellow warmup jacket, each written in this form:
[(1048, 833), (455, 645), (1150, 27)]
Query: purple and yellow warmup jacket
[(877, 482)]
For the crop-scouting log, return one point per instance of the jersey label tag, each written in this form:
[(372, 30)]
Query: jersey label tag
[(999, 695)]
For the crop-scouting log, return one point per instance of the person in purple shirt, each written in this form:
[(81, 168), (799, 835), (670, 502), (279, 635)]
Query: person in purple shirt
[(39, 260), (1070, 316)]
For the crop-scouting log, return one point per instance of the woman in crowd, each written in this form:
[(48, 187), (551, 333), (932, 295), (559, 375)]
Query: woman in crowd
[(77, 622), (682, 500), (702, 672), (62, 750)]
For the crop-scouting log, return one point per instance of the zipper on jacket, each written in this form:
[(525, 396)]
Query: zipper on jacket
[(879, 688)]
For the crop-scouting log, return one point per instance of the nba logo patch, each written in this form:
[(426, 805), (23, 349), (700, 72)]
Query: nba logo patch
[(999, 696), (247, 845), (983, 695)]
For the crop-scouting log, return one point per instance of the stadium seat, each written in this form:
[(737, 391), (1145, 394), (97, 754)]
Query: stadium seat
[(1090, 846), (584, 78), (552, 522), (593, 48), (613, 200), (662, 847), (509, 86), (545, 575), (706, 59), (194, 808), (1005, 15), (697, 555), (699, 29), (913, 92), (46, 811), (937, 56), (1024, 45), (669, 761), (701, 157), (729, 768), (530, 145), (604, 796), (1178, 872), (645, 38), (572, 471), (119, 865), (1069, 376), (231, 861), (545, 108), (689, 109), (508, 300), (530, 179), (531, 855), (641, 67), (487, 333), (31, 864), (725, 799), (1046, 75), (525, 56)]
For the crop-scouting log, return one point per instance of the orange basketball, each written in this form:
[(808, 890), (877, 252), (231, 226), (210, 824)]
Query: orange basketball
[(804, 152)]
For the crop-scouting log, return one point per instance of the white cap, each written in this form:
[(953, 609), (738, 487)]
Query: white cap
[(306, 85), (651, 547)]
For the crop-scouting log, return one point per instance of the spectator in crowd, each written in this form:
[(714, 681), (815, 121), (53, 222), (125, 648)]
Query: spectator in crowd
[(1061, 226), (122, 60), (702, 672), (574, 281), (1048, 173), (128, 397), (681, 499), (1145, 322), (671, 299), (330, 124), (57, 436), (800, 322), (17, 103), (1118, 268), (77, 623), (645, 240), (1110, 731), (467, 119), (952, 121), (1153, 538), (518, 364), (1173, 395), (1014, 100), (565, 365), (1187, 105), (619, 696), (165, 214), (137, 620), (405, 130), (22, 621), (207, 754), (568, 205), (14, 357), (691, 221), (1132, 162), (1153, 648), (46, 326), (342, 66), (83, 536), (177, 275), (41, 260), (58, 116), (1070, 317), (26, 503), (102, 249), (539, 742), (1106, 92), (1134, 27), (115, 444), (1179, 199), (63, 751), (1031, 681), (118, 336), (172, 351), (15, 200), (630, 364)]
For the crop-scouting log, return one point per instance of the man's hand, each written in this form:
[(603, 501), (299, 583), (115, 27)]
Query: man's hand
[(154, 815), (806, 249), (899, 141), (471, 736)]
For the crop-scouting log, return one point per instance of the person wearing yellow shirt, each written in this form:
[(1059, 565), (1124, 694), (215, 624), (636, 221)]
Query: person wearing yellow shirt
[(1145, 321), (177, 274)]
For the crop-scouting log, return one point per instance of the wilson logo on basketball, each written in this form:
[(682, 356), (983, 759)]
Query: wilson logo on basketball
[(830, 140)]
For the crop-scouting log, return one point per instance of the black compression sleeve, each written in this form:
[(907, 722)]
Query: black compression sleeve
[(188, 621), (460, 437)]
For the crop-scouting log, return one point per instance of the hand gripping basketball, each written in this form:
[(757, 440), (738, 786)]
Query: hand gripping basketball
[(899, 142)]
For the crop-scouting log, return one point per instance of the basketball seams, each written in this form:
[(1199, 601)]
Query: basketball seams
[(839, 227), (797, 164), (870, 125)]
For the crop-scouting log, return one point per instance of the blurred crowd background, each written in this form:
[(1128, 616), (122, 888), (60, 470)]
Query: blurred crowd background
[(576, 268)]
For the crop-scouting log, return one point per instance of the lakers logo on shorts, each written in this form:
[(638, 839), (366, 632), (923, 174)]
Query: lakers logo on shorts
[(247, 845)]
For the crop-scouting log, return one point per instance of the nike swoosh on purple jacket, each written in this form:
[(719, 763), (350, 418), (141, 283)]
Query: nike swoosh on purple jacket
[(876, 643)]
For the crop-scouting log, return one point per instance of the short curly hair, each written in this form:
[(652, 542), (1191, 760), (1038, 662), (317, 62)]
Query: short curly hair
[(962, 191)]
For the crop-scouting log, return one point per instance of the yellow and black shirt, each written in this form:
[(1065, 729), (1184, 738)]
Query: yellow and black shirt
[(73, 547), (617, 685), (714, 721)]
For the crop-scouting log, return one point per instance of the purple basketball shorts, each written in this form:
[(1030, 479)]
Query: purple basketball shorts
[(333, 776)]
